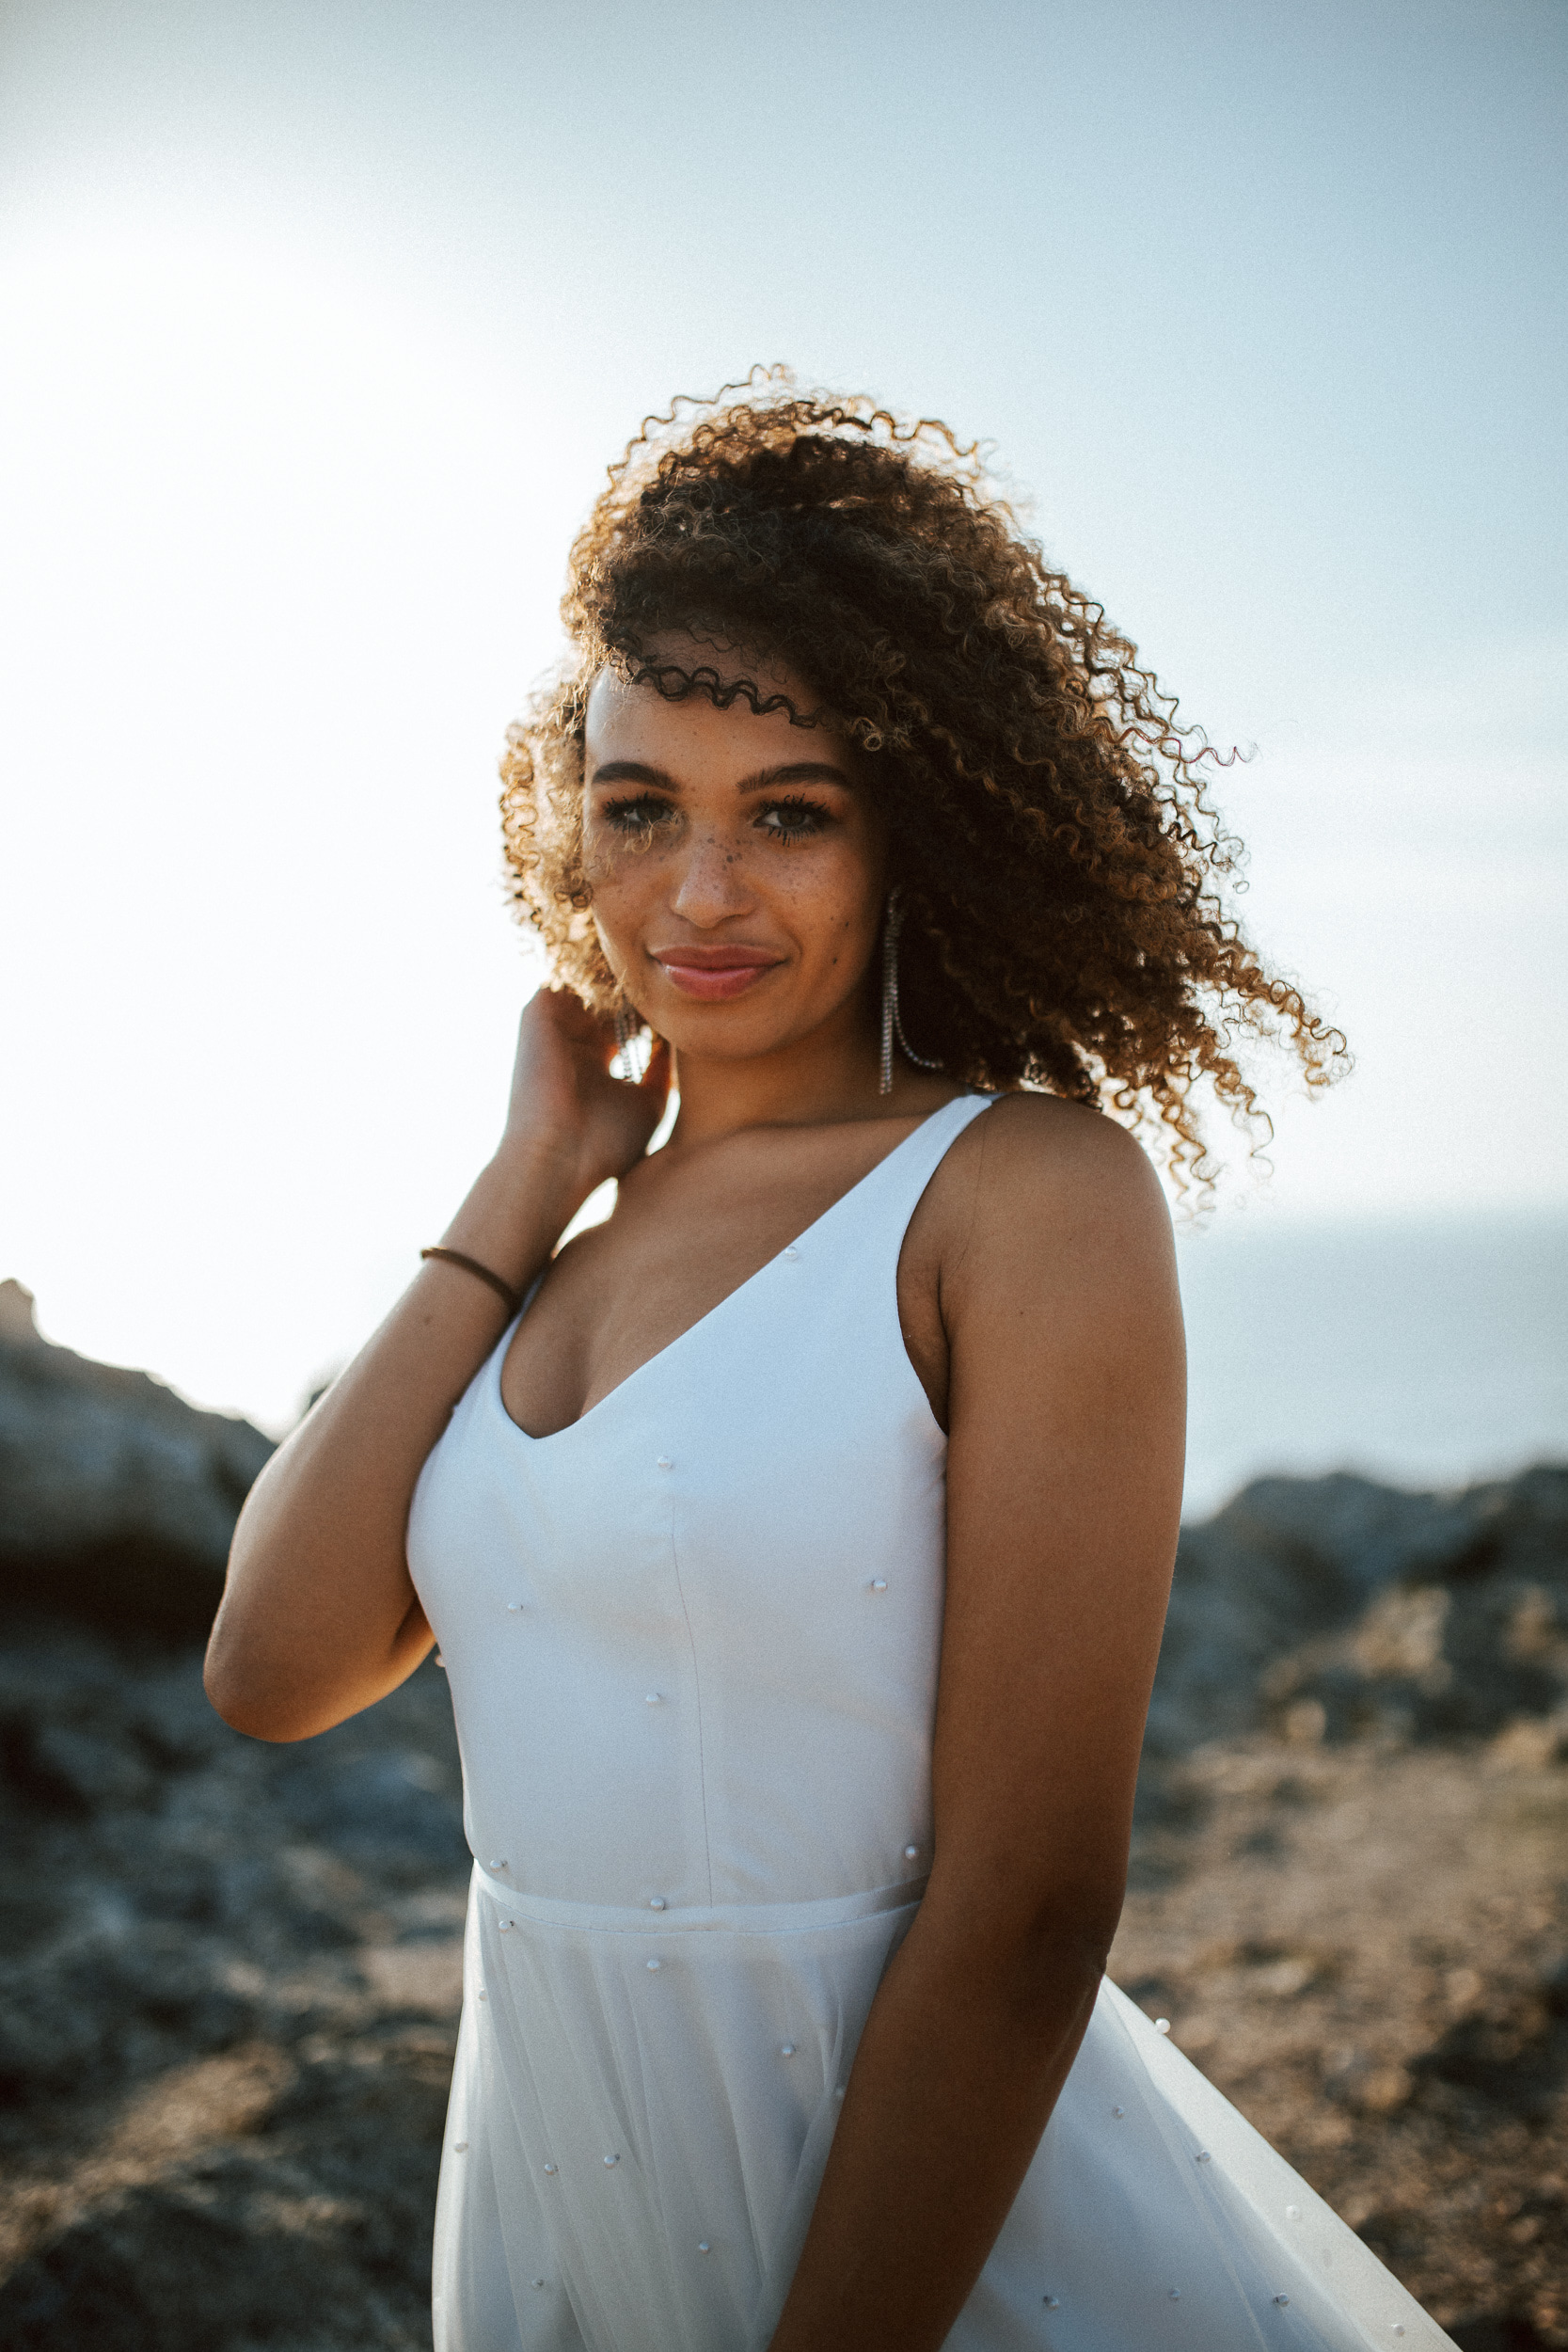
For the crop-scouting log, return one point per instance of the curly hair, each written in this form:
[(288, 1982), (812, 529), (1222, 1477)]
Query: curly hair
[(1061, 870)]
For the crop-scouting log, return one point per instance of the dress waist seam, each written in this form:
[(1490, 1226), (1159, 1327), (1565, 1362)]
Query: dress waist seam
[(763, 1919)]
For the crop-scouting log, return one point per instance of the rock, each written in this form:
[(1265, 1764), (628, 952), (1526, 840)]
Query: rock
[(118, 1500), (228, 1981), (1331, 1607), (1531, 1744)]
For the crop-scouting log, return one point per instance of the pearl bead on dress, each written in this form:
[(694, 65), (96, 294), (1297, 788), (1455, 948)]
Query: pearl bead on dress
[(655, 1902)]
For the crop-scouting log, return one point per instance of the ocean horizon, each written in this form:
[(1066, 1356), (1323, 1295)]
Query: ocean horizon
[(1427, 1351)]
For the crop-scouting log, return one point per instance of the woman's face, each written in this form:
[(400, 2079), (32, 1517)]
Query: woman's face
[(737, 863)]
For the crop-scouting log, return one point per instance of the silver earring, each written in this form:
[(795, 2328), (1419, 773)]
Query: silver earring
[(893, 1025), (628, 1031)]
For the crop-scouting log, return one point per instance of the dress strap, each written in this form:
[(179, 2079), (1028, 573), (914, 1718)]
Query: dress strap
[(917, 1159), (883, 1203)]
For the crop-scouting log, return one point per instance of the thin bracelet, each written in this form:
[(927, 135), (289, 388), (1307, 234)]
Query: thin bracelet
[(471, 1266)]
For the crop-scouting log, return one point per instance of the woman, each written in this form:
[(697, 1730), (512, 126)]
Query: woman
[(785, 2021)]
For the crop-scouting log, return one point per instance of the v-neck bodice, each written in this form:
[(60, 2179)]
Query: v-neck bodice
[(814, 1236), (724, 1578)]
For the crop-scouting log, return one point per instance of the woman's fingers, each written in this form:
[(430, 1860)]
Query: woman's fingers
[(566, 1096)]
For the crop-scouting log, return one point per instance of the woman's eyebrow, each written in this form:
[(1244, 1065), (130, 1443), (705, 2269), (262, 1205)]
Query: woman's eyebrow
[(797, 771), (764, 780), (633, 772)]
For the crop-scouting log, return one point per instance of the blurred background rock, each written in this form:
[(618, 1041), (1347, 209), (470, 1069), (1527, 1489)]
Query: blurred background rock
[(230, 1973)]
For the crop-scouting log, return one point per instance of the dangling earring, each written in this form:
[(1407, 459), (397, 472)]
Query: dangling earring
[(891, 1025), (627, 1030)]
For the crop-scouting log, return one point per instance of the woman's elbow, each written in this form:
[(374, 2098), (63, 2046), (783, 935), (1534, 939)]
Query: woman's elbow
[(251, 1709), (1041, 1950), (1070, 1942), (253, 1691), (1065, 1934)]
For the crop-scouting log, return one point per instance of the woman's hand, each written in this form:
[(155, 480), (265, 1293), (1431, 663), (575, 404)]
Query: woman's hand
[(565, 1108)]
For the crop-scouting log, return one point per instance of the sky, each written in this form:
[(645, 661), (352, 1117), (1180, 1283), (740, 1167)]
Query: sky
[(320, 324)]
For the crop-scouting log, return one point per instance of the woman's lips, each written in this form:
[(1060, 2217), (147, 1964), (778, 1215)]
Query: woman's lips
[(713, 974)]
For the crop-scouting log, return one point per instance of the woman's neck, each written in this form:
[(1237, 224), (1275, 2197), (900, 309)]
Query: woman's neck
[(822, 1080)]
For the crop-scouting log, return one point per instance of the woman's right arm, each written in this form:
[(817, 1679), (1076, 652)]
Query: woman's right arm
[(319, 1617)]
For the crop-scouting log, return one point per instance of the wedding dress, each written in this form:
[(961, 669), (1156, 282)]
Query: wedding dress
[(692, 1646)]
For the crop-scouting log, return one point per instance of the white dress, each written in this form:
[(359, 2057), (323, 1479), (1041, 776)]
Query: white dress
[(692, 1646)]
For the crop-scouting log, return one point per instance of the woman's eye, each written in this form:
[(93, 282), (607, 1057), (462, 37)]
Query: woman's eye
[(793, 820), (639, 813)]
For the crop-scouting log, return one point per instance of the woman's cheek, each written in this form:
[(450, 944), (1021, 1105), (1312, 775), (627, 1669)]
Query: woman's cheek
[(611, 866)]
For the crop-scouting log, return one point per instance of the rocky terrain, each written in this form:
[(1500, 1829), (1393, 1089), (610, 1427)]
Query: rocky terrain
[(228, 1973)]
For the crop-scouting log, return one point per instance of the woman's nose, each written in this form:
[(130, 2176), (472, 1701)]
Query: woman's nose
[(711, 885)]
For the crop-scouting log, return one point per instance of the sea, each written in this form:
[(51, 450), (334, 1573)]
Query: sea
[(1425, 1352)]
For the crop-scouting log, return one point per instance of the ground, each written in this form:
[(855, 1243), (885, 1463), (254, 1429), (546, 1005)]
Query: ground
[(1367, 1951), (230, 1977)]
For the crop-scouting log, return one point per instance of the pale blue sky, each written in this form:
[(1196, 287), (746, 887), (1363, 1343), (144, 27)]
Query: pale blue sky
[(321, 321)]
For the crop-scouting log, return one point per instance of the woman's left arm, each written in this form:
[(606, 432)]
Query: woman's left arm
[(1068, 1410)]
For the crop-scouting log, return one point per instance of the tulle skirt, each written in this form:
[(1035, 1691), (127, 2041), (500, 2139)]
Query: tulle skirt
[(640, 2115)]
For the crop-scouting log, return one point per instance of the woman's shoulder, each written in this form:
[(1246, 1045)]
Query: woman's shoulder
[(1028, 1149), (1042, 1191)]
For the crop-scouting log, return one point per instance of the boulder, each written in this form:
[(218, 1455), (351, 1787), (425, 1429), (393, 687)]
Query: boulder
[(1335, 1607), (118, 1500)]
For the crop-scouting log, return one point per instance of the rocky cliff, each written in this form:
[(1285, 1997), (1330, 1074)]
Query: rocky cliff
[(116, 1499), (1334, 1607)]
